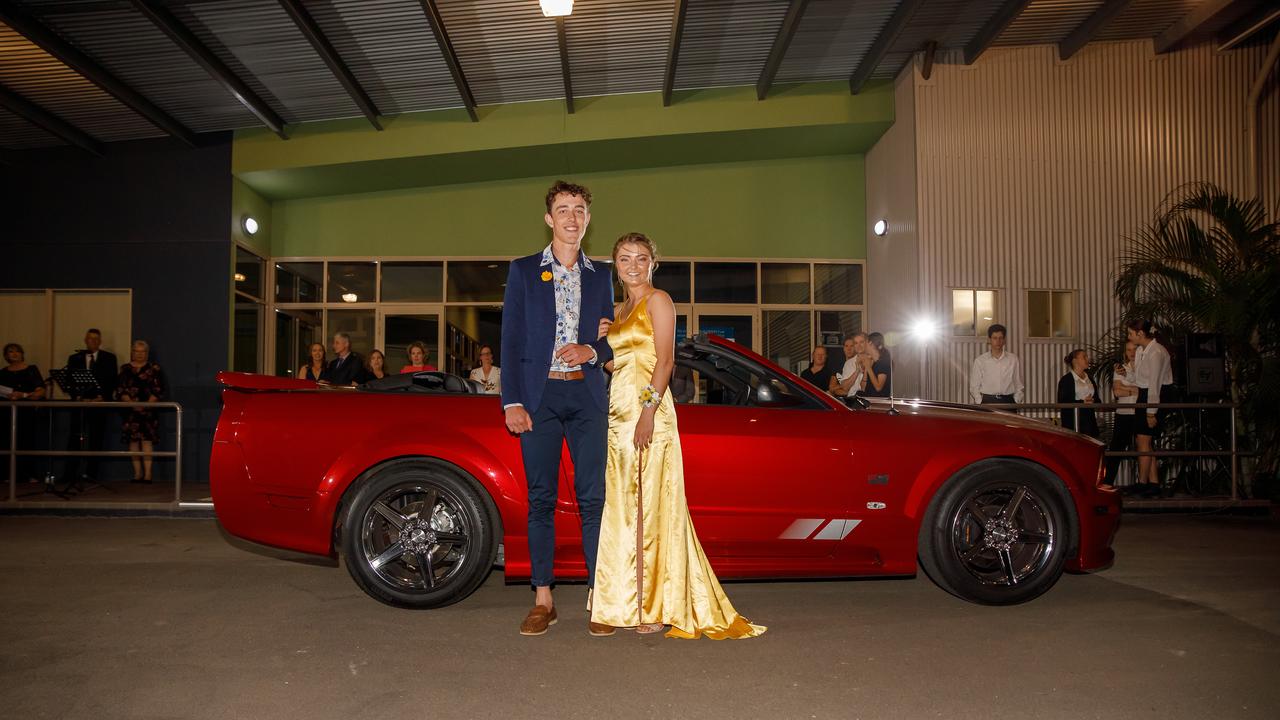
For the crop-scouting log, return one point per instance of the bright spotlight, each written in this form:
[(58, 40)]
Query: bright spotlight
[(250, 225), (556, 8), (880, 228), (923, 330)]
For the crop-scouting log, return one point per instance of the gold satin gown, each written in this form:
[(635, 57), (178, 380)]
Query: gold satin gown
[(650, 567)]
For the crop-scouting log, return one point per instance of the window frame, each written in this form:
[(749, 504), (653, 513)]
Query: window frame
[(951, 311), (1072, 336)]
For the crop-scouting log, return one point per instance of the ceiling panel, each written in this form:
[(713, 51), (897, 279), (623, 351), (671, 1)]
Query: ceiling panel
[(507, 49), (618, 46), (726, 42), (833, 37)]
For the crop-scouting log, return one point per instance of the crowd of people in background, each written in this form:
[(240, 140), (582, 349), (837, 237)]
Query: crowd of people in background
[(140, 380), (865, 370)]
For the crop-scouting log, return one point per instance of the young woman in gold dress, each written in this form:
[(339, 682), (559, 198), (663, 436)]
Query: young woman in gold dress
[(650, 571)]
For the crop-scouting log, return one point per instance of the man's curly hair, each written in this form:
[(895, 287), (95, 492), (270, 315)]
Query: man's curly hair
[(568, 188)]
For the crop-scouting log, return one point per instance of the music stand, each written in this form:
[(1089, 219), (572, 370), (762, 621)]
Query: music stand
[(78, 383)]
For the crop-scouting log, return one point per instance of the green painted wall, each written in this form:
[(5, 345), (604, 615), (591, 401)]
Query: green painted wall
[(798, 207)]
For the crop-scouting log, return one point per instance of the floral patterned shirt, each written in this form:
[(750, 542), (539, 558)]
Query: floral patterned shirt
[(568, 286)]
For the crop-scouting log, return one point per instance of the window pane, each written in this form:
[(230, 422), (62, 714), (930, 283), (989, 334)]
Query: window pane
[(295, 331), (674, 278), (1063, 314), (467, 329), (1038, 313), (787, 338), (299, 282), (249, 271), (352, 282), (412, 282), (725, 283), (248, 318), (784, 283), (962, 312), (478, 281), (836, 325), (986, 311), (730, 327), (837, 284), (358, 324), (399, 331)]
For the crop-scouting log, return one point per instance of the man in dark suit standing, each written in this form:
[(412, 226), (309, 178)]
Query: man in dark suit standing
[(347, 367), (88, 427), (553, 385)]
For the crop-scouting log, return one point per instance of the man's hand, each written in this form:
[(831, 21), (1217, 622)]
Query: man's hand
[(605, 324), (575, 354), (518, 420), (1151, 421)]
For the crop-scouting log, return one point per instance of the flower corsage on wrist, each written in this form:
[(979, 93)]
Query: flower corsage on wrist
[(649, 396)]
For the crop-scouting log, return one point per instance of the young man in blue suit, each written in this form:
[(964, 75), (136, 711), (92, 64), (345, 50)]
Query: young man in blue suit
[(553, 385)]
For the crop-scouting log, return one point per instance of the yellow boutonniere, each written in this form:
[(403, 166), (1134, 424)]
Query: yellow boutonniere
[(546, 276)]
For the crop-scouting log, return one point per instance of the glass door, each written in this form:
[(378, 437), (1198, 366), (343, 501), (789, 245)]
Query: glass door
[(400, 327)]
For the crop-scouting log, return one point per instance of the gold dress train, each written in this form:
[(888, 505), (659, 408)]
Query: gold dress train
[(650, 567)]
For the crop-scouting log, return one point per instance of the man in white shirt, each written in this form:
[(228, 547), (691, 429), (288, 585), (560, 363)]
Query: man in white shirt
[(851, 380), (997, 374)]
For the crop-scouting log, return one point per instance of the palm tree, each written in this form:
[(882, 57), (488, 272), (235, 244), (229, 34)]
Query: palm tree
[(1210, 262)]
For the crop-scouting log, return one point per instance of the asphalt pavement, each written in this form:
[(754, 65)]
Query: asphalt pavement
[(165, 618)]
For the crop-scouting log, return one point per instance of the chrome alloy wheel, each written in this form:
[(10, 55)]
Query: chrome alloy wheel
[(1002, 534), (415, 536)]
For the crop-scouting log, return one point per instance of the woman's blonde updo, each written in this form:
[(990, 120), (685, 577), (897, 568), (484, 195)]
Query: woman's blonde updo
[(638, 239)]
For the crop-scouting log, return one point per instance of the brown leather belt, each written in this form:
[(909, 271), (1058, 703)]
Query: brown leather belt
[(571, 375)]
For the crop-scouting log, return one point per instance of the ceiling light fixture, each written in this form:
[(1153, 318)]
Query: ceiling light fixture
[(556, 8), (349, 297), (240, 277)]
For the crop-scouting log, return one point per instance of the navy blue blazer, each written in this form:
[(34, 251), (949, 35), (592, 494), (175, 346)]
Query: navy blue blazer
[(529, 330)]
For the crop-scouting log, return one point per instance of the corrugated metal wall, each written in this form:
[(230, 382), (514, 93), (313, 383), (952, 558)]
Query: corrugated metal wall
[(1032, 172)]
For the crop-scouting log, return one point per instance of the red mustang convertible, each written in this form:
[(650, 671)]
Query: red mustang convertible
[(416, 483)]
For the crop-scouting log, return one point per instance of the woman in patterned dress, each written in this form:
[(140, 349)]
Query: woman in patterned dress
[(140, 381)]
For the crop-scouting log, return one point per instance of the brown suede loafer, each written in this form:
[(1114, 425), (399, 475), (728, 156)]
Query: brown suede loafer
[(600, 630), (538, 620)]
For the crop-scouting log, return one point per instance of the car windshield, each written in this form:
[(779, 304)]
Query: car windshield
[(713, 377)]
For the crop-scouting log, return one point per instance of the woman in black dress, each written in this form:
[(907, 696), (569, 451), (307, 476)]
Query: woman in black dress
[(1078, 387), (24, 383), (140, 381), (315, 363)]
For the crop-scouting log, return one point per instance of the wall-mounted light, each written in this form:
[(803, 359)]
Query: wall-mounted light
[(923, 330), (240, 277), (880, 228), (349, 297), (556, 8), (249, 224)]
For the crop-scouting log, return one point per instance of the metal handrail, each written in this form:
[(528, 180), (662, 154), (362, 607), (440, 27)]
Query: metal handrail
[(1234, 453), (14, 453)]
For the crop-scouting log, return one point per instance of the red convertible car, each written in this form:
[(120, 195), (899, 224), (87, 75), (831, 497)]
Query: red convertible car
[(416, 483)]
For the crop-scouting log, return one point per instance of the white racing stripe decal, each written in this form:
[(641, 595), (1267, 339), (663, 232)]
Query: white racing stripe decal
[(834, 530), (801, 529)]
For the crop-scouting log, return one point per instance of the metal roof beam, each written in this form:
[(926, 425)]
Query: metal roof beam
[(564, 64), (987, 34), (67, 54), (1086, 31), (790, 22), (450, 57), (204, 57), (47, 121), (1190, 24), (883, 42), (314, 35), (673, 50), (1247, 27)]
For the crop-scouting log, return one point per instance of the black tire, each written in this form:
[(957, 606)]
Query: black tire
[(443, 556), (973, 547)]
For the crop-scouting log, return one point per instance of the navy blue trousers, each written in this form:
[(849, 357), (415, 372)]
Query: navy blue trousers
[(567, 413)]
